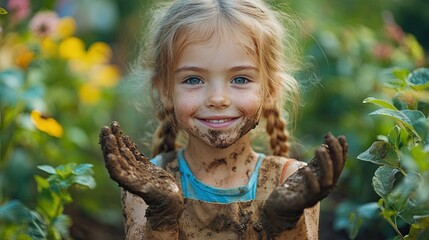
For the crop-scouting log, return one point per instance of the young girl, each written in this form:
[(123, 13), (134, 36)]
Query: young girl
[(218, 69)]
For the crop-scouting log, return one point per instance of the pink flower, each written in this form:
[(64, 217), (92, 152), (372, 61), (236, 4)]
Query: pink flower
[(382, 51), (44, 23), (19, 9)]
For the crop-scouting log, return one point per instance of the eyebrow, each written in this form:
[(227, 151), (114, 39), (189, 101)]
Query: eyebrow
[(199, 69)]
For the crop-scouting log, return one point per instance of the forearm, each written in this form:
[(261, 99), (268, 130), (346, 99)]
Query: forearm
[(306, 228), (136, 224)]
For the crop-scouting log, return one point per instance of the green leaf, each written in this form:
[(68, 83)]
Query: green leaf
[(38, 228), (404, 191), (87, 181), (379, 102), (397, 81), (83, 169), (62, 223), (65, 171), (405, 117), (3, 11), (15, 212), (394, 136), (397, 115), (383, 180), (50, 204), (381, 153), (47, 168), (356, 218), (411, 210), (355, 224), (423, 223), (419, 78), (400, 73), (418, 123), (42, 183), (416, 159), (421, 126)]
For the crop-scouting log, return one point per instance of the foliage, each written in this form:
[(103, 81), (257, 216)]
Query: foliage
[(402, 178), (55, 93), (47, 221)]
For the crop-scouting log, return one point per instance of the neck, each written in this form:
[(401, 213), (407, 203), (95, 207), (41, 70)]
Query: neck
[(228, 167)]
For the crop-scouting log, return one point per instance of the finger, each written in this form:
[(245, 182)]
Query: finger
[(116, 130), (345, 145), (124, 150), (127, 148), (133, 148), (326, 175), (111, 153), (105, 131), (116, 167), (104, 136), (336, 154), (311, 180), (110, 145)]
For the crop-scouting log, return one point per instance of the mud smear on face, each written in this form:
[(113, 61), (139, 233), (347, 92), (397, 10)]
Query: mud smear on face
[(215, 140)]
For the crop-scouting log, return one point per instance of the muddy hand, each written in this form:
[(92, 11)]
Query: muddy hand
[(308, 185), (135, 173)]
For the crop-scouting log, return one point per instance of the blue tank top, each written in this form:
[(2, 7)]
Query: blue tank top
[(195, 189)]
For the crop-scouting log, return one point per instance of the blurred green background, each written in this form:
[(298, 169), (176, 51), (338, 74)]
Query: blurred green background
[(59, 86)]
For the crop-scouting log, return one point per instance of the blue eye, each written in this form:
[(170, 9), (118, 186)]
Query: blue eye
[(193, 81), (240, 80)]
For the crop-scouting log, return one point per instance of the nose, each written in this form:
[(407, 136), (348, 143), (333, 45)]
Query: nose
[(217, 96)]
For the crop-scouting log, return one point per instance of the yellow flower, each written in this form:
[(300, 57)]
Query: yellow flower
[(72, 48), (66, 27), (48, 47), (89, 94), (104, 76), (24, 58), (46, 124), (99, 53)]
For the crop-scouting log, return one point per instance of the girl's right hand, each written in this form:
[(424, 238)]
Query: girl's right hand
[(134, 172)]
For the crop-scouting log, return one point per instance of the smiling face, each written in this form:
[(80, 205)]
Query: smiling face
[(217, 96)]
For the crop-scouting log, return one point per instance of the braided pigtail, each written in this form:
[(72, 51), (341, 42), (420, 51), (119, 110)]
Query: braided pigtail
[(166, 133), (276, 129)]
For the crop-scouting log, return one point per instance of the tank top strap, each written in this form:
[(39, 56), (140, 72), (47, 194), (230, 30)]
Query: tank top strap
[(273, 172)]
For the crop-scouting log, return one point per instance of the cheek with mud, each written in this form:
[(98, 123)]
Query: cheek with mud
[(218, 139)]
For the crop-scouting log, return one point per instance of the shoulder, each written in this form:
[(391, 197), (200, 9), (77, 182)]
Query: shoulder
[(285, 166), (163, 160), (168, 161), (275, 170), (271, 164)]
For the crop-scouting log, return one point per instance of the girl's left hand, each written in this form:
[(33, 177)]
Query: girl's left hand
[(308, 185)]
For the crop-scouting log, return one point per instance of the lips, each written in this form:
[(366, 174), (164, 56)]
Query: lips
[(218, 122)]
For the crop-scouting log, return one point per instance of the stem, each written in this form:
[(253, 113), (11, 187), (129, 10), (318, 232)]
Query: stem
[(394, 227), (402, 171)]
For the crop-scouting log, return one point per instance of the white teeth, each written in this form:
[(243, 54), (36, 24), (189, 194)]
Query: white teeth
[(218, 121)]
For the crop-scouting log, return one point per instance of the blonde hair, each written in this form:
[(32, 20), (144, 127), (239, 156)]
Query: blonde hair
[(172, 25)]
